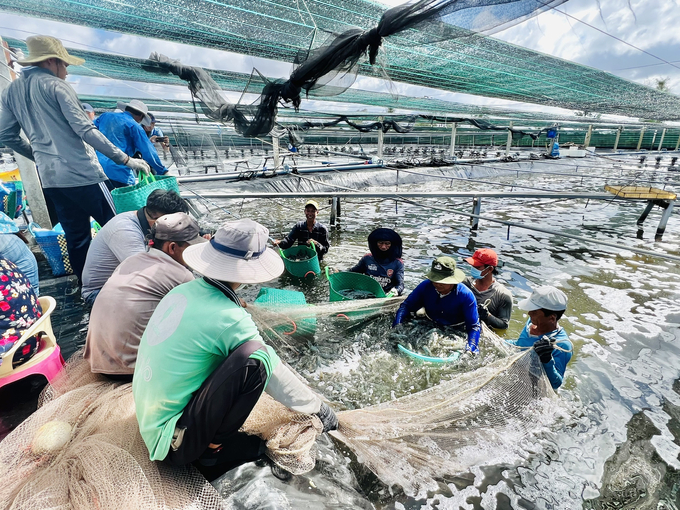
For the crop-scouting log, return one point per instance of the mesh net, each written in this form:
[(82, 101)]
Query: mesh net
[(82, 446), (282, 30)]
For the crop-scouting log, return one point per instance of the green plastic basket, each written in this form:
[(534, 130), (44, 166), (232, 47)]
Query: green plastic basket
[(279, 300), (355, 281), (301, 268), (131, 198)]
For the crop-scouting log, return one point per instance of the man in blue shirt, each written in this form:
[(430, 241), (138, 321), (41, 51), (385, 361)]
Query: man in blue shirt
[(123, 129), (542, 332), (447, 302)]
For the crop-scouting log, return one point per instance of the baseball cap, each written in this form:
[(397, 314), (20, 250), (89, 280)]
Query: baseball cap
[(152, 117), (444, 270), (313, 203), (483, 257), (546, 297), (177, 227)]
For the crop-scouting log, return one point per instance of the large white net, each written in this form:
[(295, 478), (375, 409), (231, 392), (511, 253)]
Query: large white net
[(82, 447)]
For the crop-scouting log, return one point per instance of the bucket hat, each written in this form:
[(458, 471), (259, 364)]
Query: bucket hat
[(237, 253), (43, 47), (547, 297), (136, 104), (444, 270), (483, 257)]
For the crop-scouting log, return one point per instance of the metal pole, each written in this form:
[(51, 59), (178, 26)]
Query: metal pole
[(618, 135), (664, 219), (334, 204), (589, 133), (381, 137), (663, 134), (645, 213), (677, 144), (277, 156), (651, 147), (642, 134), (476, 210), (27, 170), (508, 144), (453, 140)]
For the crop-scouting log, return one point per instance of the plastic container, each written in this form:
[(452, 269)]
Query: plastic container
[(301, 268), (351, 281)]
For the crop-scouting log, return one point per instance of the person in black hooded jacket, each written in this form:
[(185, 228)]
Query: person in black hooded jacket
[(384, 263)]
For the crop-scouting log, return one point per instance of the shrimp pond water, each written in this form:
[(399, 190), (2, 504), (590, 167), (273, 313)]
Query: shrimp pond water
[(615, 443)]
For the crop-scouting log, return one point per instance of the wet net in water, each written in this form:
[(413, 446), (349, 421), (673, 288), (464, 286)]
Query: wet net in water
[(83, 445)]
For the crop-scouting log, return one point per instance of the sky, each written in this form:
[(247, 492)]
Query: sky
[(649, 25)]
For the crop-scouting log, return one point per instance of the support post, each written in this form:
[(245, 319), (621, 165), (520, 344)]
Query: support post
[(277, 156), (381, 138), (453, 140), (642, 134), (664, 219), (476, 209), (618, 135), (27, 170), (678, 143), (645, 213), (663, 134), (334, 205), (508, 144), (589, 134), (651, 147)]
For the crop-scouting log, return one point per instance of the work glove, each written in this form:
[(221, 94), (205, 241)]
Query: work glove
[(544, 350), (471, 348), (483, 312), (138, 165), (327, 417), (392, 293)]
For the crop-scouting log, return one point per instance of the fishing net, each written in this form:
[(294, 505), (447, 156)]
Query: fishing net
[(335, 62), (82, 447)]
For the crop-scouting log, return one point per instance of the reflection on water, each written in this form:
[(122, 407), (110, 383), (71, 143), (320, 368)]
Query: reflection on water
[(616, 444)]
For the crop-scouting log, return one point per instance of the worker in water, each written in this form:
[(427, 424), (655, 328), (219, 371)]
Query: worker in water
[(543, 333), (62, 138), (384, 263), (446, 300), (494, 300), (202, 365), (307, 232), (125, 130)]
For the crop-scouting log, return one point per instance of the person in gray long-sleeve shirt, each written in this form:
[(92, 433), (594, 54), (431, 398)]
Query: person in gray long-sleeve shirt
[(494, 301), (62, 142)]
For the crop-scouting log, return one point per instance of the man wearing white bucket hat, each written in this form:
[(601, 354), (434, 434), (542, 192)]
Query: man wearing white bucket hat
[(543, 333), (202, 365), (125, 131), (62, 139)]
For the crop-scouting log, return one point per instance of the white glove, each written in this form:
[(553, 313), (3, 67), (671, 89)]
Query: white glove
[(138, 165)]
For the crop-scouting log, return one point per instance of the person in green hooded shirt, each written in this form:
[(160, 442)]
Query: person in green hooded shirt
[(202, 365)]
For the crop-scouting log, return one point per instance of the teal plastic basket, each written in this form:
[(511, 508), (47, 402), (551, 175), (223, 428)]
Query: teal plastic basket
[(280, 299), (302, 268), (351, 281), (131, 198)]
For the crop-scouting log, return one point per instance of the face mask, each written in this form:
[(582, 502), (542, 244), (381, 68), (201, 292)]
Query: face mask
[(475, 273)]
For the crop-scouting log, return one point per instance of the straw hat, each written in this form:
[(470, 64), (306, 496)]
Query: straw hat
[(138, 105), (43, 47), (238, 253)]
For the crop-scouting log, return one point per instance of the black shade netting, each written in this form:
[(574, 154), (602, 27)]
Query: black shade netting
[(432, 21)]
